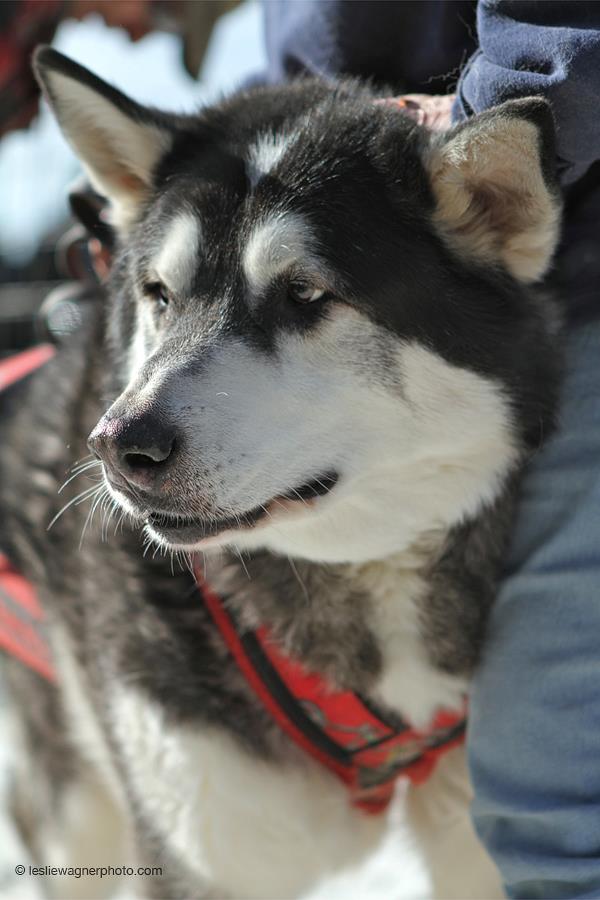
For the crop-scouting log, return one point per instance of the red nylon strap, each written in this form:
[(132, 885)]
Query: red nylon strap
[(378, 750), (229, 632), (21, 617), (14, 368), (367, 753)]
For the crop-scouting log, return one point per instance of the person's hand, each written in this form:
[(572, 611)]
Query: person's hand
[(432, 111)]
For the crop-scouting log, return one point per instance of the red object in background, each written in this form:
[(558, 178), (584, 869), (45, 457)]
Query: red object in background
[(21, 622), (21, 617), (23, 25), (16, 367)]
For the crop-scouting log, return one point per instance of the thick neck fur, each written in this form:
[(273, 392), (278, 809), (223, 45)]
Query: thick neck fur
[(405, 630)]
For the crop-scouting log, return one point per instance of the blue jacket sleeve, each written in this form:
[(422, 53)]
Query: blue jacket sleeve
[(548, 49), (415, 45)]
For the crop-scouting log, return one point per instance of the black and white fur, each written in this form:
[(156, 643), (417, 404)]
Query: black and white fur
[(322, 363)]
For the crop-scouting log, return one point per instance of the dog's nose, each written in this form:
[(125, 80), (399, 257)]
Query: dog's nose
[(136, 448)]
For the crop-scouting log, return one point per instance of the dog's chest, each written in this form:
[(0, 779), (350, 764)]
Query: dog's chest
[(197, 780), (358, 626), (409, 682)]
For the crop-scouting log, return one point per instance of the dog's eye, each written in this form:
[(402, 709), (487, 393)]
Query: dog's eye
[(158, 292), (305, 292)]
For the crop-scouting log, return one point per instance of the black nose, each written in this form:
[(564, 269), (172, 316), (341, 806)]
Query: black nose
[(136, 448)]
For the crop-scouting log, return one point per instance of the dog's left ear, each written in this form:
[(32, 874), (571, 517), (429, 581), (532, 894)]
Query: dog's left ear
[(494, 185), (118, 141)]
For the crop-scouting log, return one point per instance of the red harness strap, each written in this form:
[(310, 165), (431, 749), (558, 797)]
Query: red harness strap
[(14, 368), (21, 617), (367, 749)]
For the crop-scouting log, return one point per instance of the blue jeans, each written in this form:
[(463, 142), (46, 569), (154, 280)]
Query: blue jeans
[(534, 735)]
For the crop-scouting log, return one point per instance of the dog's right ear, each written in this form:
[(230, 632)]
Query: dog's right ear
[(118, 141), (494, 181)]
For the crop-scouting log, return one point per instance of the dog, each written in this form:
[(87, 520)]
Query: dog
[(322, 362)]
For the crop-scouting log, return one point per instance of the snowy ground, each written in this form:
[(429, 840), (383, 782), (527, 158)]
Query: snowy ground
[(35, 168)]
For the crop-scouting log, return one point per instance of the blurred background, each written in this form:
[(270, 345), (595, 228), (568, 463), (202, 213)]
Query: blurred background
[(176, 55)]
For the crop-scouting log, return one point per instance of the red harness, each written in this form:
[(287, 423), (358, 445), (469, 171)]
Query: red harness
[(21, 630), (365, 747)]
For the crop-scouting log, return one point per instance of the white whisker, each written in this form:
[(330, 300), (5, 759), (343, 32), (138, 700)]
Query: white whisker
[(298, 578), (75, 473), (79, 498), (97, 500), (241, 559)]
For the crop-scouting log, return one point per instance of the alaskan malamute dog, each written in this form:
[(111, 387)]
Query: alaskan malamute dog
[(321, 364)]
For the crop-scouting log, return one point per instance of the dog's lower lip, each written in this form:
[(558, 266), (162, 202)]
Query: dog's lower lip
[(198, 528), (167, 523)]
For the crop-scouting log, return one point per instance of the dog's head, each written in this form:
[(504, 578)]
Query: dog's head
[(322, 336)]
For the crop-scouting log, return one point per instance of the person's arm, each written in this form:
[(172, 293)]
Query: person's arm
[(548, 49), (414, 45)]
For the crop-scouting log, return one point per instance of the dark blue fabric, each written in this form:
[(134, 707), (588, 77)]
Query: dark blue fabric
[(552, 49), (412, 46), (488, 52)]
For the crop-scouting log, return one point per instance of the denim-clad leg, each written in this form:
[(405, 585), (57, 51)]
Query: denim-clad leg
[(534, 740)]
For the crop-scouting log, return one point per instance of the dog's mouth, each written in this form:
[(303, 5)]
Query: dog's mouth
[(174, 528)]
